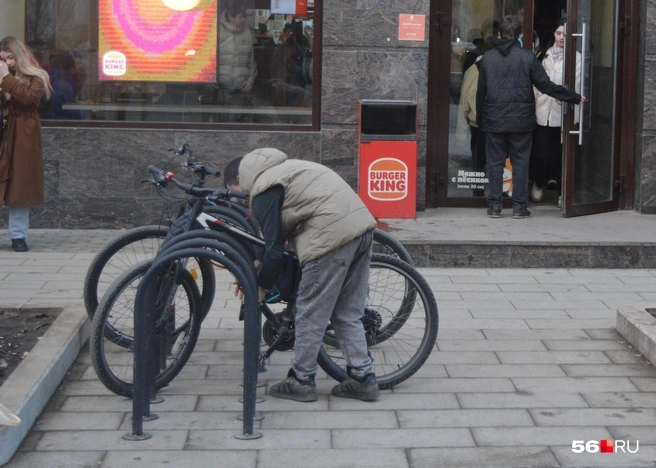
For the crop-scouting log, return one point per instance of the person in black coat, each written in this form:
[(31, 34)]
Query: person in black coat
[(505, 104)]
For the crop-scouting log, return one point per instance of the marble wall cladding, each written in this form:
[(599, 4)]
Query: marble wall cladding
[(647, 180), (370, 23), (351, 75), (94, 175), (339, 146), (650, 26), (649, 115)]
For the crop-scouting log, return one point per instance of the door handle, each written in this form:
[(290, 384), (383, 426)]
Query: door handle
[(584, 37), (441, 22)]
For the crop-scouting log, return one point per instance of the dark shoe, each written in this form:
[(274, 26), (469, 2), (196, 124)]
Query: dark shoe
[(494, 211), (365, 389), (521, 212), (19, 245), (293, 389)]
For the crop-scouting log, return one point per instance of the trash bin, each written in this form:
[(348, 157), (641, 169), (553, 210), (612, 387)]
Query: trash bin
[(388, 157)]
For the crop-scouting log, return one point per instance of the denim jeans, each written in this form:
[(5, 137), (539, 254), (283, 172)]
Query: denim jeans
[(333, 290), (19, 221), (499, 146)]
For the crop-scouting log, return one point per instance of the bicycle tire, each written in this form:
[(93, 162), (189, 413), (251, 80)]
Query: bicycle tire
[(136, 243), (394, 358), (385, 243), (127, 250), (114, 364)]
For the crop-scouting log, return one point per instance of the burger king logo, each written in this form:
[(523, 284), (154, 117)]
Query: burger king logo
[(388, 179), (114, 63)]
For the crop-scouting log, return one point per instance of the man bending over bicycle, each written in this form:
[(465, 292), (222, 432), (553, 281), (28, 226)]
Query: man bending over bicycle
[(331, 231)]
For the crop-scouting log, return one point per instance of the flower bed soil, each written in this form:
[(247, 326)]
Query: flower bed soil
[(20, 330)]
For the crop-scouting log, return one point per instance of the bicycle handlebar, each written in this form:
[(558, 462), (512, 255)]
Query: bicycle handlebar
[(161, 178)]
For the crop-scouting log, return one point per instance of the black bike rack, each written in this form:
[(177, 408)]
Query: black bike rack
[(145, 351)]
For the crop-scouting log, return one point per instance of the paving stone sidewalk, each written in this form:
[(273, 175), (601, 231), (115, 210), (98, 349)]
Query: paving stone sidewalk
[(527, 361)]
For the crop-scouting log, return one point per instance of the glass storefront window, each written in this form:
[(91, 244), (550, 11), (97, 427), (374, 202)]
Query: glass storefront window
[(475, 25), (177, 61)]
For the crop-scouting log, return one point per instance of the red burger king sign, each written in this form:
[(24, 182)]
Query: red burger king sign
[(388, 179)]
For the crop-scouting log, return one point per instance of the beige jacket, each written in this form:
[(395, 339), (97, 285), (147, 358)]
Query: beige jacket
[(320, 213), (548, 111), (236, 60)]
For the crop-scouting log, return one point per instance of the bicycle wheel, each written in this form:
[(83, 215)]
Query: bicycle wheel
[(385, 243), (408, 326), (178, 330), (118, 256), (127, 250)]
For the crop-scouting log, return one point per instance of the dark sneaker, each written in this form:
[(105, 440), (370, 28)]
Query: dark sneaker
[(19, 245), (293, 389), (494, 211), (365, 389), (521, 212)]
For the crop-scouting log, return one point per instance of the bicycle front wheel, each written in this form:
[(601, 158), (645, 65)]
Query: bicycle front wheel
[(401, 333), (177, 330)]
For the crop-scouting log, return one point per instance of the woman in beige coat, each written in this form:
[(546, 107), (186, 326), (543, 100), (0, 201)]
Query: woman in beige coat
[(546, 158), (22, 87)]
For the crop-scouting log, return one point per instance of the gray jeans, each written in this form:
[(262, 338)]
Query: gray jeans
[(333, 290)]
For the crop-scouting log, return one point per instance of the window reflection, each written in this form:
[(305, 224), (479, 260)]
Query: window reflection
[(262, 72)]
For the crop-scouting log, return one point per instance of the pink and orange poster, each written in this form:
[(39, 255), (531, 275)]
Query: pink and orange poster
[(158, 40)]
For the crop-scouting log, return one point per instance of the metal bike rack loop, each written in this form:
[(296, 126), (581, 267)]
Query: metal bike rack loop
[(145, 352)]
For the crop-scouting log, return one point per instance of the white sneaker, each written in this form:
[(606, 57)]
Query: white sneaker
[(536, 193), (560, 202)]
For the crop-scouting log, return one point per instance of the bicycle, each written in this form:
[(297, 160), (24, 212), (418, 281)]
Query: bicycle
[(143, 242), (392, 311)]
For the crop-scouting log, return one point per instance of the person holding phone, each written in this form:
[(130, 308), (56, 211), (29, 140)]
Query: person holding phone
[(23, 84)]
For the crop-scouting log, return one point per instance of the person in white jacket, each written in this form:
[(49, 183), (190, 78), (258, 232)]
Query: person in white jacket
[(237, 68), (546, 158)]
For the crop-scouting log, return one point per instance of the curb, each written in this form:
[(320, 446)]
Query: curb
[(638, 326), (29, 388)]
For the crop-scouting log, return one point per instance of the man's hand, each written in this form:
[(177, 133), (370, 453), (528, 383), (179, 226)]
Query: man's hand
[(239, 293)]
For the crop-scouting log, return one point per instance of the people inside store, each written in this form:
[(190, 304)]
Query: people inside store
[(285, 33), (296, 47), (237, 67), (546, 159), (505, 104), (476, 136), (263, 38), (62, 70)]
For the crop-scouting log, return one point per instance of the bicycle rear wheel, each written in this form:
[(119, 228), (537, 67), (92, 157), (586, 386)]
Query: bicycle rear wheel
[(177, 331), (409, 327), (385, 243)]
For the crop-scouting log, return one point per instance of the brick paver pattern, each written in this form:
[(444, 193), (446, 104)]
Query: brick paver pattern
[(526, 362)]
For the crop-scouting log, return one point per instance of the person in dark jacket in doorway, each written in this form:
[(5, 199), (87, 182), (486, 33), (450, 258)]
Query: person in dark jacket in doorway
[(505, 104)]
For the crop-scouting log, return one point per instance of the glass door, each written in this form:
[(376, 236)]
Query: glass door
[(462, 31), (591, 142)]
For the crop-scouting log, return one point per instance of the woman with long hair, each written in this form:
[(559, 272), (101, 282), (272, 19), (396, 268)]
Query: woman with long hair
[(546, 159), (23, 84)]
